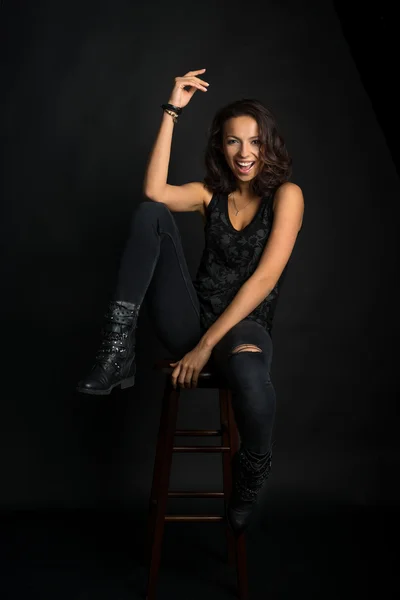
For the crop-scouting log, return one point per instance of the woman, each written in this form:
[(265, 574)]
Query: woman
[(252, 215)]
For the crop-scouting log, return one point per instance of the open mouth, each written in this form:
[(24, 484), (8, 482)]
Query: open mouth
[(244, 167)]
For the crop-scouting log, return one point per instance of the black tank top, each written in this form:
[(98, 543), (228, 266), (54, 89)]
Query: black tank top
[(229, 258)]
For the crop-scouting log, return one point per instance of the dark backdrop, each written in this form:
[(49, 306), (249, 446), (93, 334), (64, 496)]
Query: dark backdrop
[(82, 87)]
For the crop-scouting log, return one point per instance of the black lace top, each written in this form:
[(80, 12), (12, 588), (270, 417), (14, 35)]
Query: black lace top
[(229, 258)]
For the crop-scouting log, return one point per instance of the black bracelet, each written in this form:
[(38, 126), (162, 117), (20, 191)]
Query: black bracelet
[(176, 109)]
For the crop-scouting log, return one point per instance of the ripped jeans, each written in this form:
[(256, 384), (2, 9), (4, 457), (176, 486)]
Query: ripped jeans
[(153, 268)]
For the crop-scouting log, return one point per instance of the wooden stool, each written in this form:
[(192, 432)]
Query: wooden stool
[(162, 469)]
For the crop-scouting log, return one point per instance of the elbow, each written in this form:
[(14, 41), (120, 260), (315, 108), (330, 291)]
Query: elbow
[(265, 283), (147, 194)]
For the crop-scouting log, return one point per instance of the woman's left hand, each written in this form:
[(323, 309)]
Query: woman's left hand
[(188, 368)]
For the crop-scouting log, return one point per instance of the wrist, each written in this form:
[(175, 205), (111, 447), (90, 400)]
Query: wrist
[(173, 103), (206, 342), (172, 110), (171, 114)]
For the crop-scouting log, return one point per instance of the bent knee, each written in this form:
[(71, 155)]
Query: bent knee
[(246, 348)]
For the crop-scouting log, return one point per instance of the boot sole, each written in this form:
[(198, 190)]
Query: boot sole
[(125, 383)]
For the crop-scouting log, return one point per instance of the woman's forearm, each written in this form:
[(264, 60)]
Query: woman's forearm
[(156, 174), (249, 296)]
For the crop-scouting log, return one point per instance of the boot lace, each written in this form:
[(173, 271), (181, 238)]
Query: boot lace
[(119, 321), (112, 348)]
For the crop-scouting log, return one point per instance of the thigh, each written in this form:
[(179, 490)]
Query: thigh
[(246, 331), (171, 298)]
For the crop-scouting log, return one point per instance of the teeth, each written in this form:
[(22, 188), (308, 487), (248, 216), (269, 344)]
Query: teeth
[(244, 164)]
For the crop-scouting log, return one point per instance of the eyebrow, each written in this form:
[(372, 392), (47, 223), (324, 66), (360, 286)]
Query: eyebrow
[(238, 138)]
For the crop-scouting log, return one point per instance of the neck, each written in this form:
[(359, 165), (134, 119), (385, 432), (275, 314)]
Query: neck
[(242, 196), (243, 190)]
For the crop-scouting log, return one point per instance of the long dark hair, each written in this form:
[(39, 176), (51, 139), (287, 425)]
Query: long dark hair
[(277, 164)]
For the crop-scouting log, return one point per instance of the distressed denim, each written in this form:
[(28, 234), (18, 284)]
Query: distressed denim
[(153, 269)]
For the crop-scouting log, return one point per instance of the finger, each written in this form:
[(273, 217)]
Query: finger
[(195, 377), (182, 377), (193, 72), (200, 83), (174, 376), (193, 82), (188, 378)]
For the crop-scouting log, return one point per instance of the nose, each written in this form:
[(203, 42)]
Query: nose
[(246, 153)]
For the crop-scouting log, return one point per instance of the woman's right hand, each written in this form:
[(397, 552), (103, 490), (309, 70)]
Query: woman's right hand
[(179, 96)]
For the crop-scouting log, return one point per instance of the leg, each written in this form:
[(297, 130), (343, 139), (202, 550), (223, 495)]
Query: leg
[(246, 368), (244, 357), (153, 267), (247, 347)]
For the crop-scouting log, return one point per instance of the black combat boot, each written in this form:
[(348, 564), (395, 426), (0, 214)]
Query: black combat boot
[(115, 364), (249, 472)]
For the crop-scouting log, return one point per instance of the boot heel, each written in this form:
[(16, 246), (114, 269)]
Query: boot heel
[(129, 382), (236, 534)]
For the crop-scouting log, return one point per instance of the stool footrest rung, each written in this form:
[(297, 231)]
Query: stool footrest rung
[(195, 518), (187, 494), (200, 448), (198, 432)]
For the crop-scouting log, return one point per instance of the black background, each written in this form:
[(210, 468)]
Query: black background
[(371, 33), (82, 83)]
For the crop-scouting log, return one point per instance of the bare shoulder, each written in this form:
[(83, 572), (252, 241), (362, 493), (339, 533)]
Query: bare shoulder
[(290, 192), (288, 189)]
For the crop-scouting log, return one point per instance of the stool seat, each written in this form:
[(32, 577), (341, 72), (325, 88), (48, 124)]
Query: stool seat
[(160, 492), (208, 376)]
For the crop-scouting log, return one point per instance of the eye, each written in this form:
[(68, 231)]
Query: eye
[(257, 141)]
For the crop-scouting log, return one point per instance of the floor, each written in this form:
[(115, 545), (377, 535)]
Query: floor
[(87, 555)]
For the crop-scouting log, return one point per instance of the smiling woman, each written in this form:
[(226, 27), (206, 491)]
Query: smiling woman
[(252, 217), (242, 213), (245, 131), (242, 165)]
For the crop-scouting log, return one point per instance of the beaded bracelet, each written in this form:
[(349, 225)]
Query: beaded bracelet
[(172, 110), (176, 109), (173, 115)]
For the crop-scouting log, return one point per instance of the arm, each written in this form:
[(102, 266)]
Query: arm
[(156, 174), (288, 216)]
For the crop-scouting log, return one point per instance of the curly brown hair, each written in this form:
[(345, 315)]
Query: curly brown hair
[(276, 162)]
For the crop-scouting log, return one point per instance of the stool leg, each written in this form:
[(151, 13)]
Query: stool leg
[(240, 545), (226, 469), (156, 477), (161, 476)]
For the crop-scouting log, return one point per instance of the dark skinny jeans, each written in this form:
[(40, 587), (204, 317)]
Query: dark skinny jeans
[(153, 268)]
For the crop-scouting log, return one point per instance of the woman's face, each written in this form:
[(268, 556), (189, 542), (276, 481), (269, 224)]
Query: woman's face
[(241, 144)]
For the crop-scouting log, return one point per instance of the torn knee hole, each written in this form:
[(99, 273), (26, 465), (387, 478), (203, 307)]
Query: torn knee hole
[(246, 347)]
